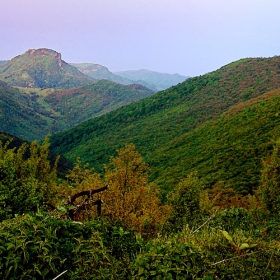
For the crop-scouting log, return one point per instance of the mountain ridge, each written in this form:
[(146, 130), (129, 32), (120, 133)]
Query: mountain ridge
[(153, 123), (158, 81), (100, 72), (31, 113), (42, 68)]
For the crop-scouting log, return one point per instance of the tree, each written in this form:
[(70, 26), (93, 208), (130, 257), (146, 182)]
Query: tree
[(130, 198), (185, 200), (27, 180), (269, 189)]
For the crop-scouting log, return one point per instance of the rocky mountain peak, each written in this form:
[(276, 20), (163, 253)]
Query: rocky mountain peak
[(45, 52)]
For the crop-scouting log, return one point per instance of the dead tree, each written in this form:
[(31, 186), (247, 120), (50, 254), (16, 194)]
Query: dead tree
[(86, 203)]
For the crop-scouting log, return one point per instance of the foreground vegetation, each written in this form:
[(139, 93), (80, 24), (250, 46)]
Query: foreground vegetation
[(51, 225)]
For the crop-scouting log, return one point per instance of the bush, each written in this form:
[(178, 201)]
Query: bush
[(27, 179), (41, 247), (207, 254)]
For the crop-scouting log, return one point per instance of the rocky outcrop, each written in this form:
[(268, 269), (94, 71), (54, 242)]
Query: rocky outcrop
[(42, 68), (46, 52)]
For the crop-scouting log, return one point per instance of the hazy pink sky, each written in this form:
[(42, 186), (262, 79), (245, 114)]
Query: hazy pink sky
[(189, 37)]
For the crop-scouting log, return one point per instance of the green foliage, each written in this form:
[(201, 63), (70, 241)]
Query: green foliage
[(233, 243), (207, 254), (185, 201), (41, 247), (168, 259), (269, 189), (233, 219), (169, 128), (27, 179), (31, 113), (21, 115), (80, 104)]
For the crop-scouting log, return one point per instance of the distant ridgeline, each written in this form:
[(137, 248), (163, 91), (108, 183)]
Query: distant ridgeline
[(191, 126), (42, 68), (151, 79), (40, 93)]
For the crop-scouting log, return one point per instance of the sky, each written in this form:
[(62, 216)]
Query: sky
[(188, 37)]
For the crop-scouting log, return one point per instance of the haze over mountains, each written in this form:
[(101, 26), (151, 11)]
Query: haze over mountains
[(44, 68), (2, 62), (152, 79), (100, 72)]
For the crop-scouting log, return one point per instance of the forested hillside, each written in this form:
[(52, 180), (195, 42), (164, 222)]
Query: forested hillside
[(202, 202), (21, 115), (156, 125), (80, 104), (32, 113)]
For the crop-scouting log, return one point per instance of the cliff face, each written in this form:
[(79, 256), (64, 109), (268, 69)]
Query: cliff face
[(46, 52), (42, 68)]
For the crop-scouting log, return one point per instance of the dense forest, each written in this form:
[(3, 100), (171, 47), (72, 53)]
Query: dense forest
[(81, 225), (185, 128)]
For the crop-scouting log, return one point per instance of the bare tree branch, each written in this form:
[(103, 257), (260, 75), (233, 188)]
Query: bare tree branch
[(89, 194)]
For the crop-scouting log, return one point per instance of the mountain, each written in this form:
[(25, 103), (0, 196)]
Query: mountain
[(42, 68), (31, 113), (163, 127), (154, 80), (150, 79), (100, 72), (2, 62)]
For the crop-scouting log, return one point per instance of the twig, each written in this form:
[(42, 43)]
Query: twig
[(225, 260), (270, 258), (205, 223), (60, 274)]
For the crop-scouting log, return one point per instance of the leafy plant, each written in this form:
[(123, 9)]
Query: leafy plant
[(27, 180)]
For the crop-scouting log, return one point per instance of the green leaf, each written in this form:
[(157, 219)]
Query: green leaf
[(244, 246), (228, 237), (140, 270)]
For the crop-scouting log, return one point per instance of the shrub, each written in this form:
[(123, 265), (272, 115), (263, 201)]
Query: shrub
[(27, 179), (41, 247)]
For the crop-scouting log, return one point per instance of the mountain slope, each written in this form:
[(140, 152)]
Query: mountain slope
[(154, 80), (2, 62), (21, 115), (80, 104), (153, 123), (226, 151), (31, 113), (100, 72), (42, 68)]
